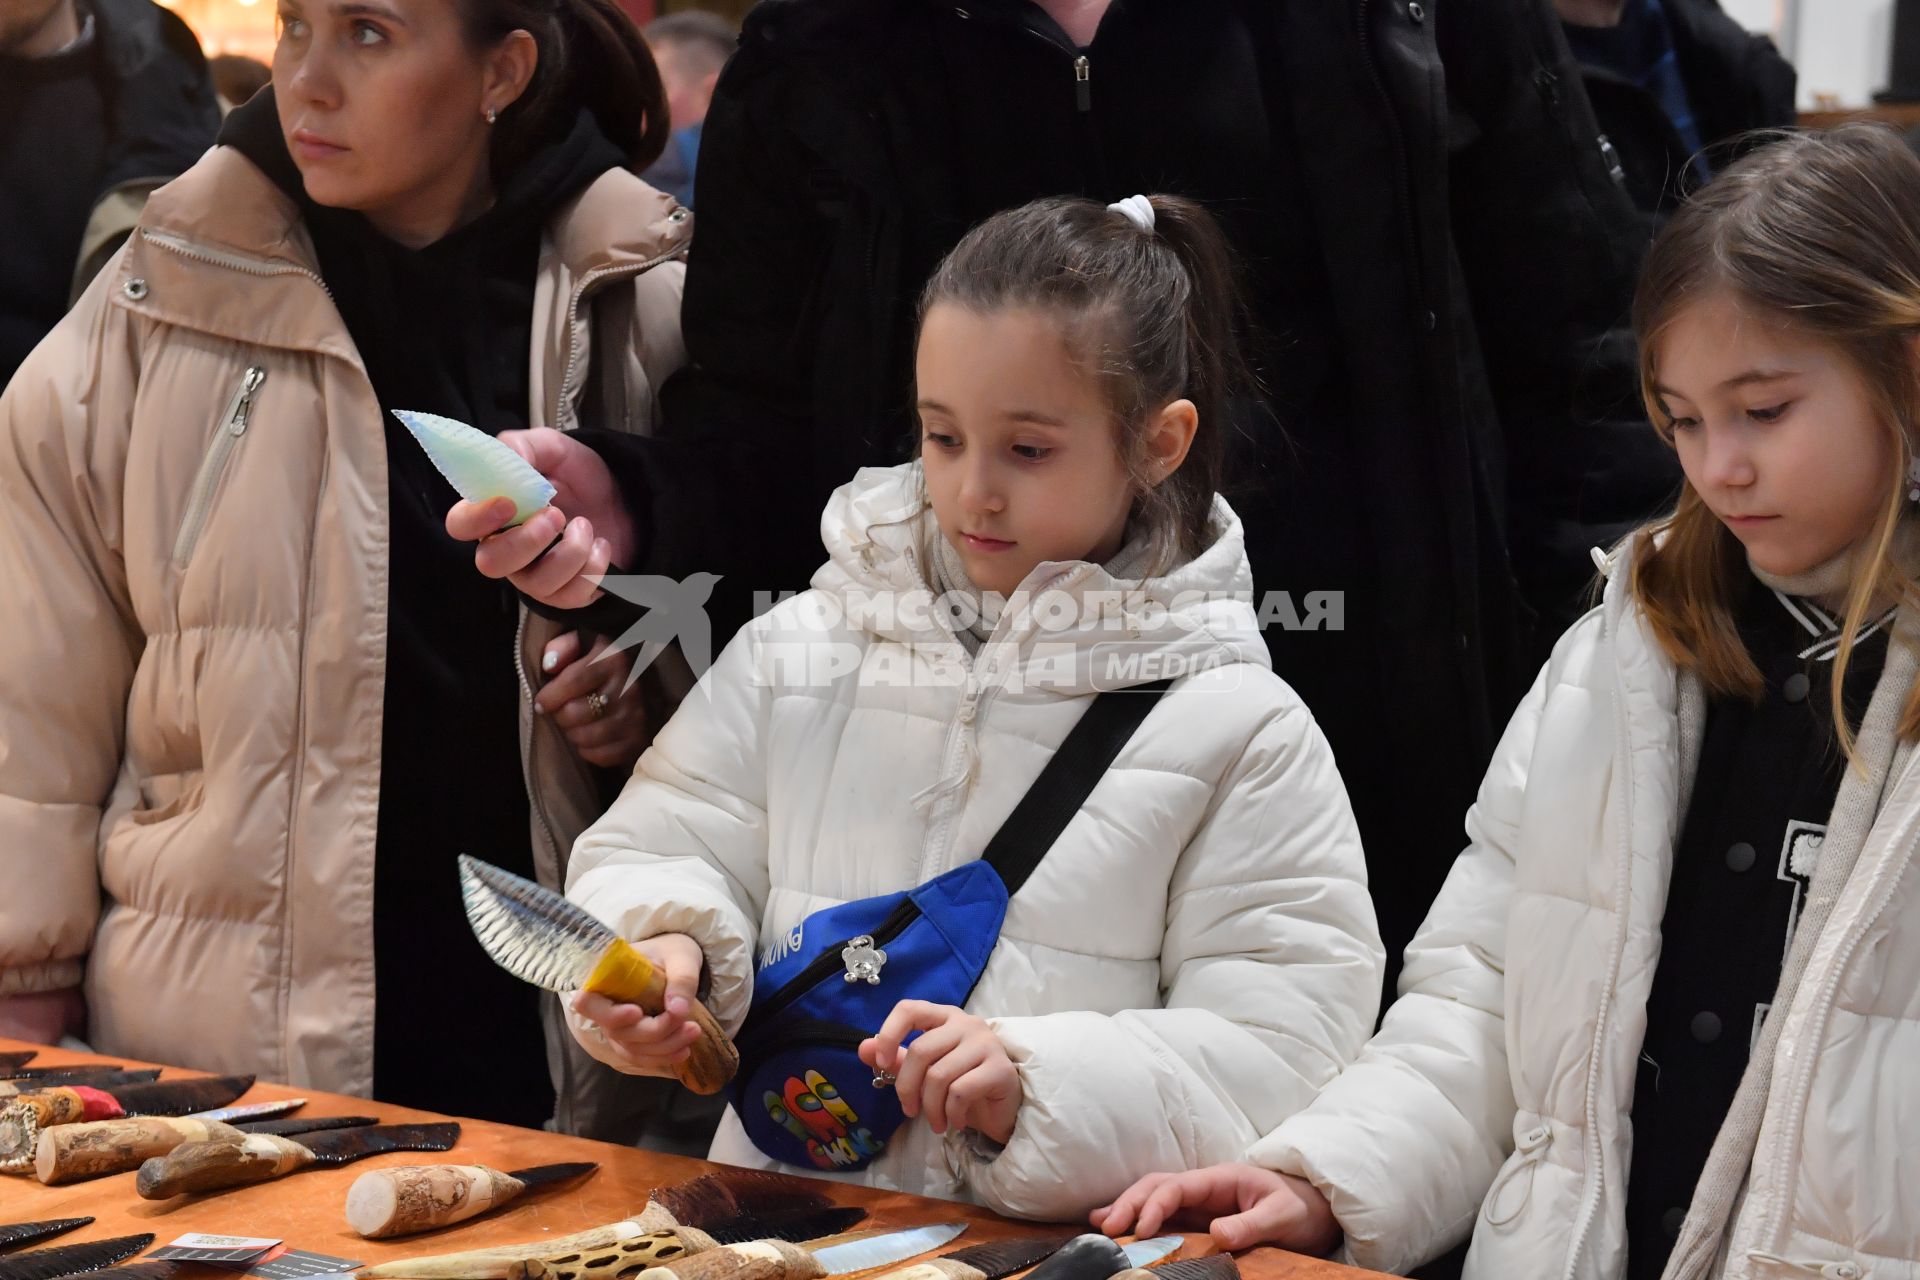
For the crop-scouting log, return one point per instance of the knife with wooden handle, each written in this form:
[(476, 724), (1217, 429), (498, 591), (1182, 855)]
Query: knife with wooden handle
[(76, 1152), (398, 1202), (539, 937), (262, 1157)]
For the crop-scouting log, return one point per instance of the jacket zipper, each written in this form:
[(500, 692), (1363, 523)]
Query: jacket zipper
[(1623, 894), (233, 261), (233, 425), (589, 281), (1082, 84), (1803, 1073), (829, 960)]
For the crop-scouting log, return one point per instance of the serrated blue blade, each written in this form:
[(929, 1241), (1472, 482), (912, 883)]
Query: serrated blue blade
[(1144, 1253)]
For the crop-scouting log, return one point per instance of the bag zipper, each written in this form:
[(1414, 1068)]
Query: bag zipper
[(802, 1032), (233, 425), (828, 962)]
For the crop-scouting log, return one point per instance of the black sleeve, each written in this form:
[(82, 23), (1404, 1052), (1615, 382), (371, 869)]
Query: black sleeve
[(1550, 246), (719, 486)]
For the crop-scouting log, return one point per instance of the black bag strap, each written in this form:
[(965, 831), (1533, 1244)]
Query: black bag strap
[(1069, 778)]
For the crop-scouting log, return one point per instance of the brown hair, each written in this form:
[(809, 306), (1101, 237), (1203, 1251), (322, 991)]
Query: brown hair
[(1818, 232), (592, 56), (1156, 313)]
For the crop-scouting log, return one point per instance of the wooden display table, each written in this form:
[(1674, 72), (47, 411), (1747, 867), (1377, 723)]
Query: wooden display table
[(306, 1209)]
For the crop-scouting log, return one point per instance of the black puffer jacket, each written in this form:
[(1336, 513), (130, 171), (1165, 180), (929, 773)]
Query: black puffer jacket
[(1422, 187)]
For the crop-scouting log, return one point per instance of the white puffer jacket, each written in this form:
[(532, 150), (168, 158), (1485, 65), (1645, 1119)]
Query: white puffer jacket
[(1495, 1099), (1193, 959)]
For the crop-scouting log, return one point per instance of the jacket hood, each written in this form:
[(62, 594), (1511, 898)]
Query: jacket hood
[(1072, 616)]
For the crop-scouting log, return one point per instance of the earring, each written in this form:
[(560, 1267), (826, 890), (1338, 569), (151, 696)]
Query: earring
[(1913, 480), (491, 115)]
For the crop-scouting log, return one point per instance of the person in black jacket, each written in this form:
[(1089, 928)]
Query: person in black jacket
[(1670, 82), (1434, 247), (101, 101)]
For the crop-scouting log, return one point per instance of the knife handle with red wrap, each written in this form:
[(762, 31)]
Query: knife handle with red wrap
[(626, 975), (69, 1104), (209, 1166)]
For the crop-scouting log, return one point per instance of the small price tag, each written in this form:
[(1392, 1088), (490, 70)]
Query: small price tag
[(297, 1264), (234, 1252)]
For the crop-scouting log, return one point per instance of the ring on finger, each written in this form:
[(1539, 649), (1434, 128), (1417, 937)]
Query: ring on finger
[(597, 704)]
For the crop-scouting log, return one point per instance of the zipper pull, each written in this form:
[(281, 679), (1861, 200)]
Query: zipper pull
[(1082, 90), (243, 407), (863, 960)]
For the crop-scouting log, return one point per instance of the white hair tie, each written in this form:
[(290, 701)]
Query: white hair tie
[(1135, 209)]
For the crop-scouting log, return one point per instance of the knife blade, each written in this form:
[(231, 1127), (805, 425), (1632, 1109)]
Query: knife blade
[(210, 1166), (19, 1233), (884, 1250), (799, 1226), (988, 1261), (539, 937), (180, 1097), (1144, 1253), (729, 1193), (52, 1077), (71, 1259), (1219, 1266), (152, 1269), (298, 1125), (250, 1111), (410, 1198), (14, 1059), (23, 1072)]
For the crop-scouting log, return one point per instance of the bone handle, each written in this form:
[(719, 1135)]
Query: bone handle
[(624, 974), (398, 1202), (643, 1254), (73, 1152), (936, 1269), (209, 1166), (498, 1262), (759, 1260)]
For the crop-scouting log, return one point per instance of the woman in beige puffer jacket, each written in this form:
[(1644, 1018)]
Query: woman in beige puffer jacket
[(194, 542)]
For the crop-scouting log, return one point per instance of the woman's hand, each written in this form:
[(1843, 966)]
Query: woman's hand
[(598, 532), (956, 1071), (586, 694), (649, 1043), (44, 1016), (1240, 1205)]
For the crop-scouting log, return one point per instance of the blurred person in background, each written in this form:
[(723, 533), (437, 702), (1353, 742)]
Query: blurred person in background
[(101, 101), (1670, 81), (691, 46)]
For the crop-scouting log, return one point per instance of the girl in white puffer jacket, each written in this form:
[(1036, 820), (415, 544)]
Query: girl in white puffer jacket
[(1196, 955), (1663, 1018)]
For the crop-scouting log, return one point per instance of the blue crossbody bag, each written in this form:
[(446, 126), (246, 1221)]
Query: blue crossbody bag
[(802, 1092)]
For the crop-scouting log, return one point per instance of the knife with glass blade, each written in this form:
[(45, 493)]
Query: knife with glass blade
[(541, 938), (988, 1261), (262, 1157), (71, 1259), (420, 1197), (23, 1233)]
